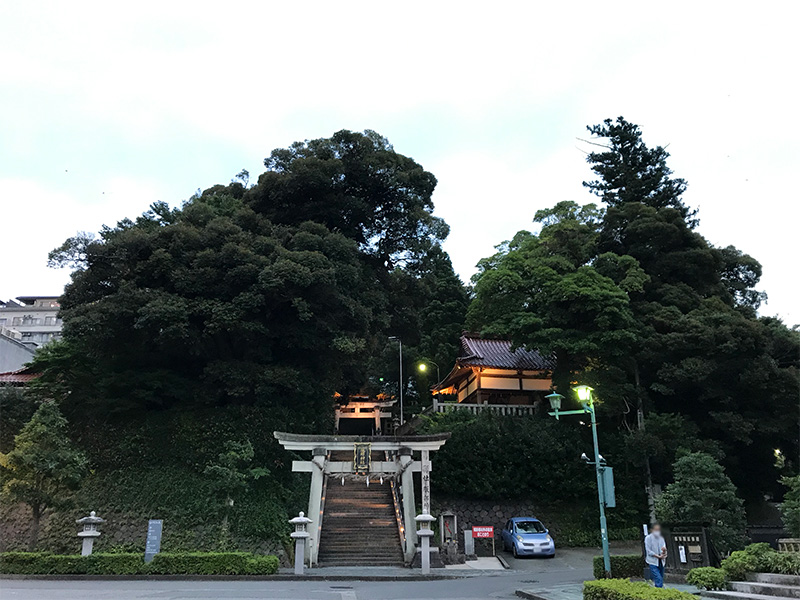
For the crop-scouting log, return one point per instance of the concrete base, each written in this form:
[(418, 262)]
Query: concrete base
[(436, 559)]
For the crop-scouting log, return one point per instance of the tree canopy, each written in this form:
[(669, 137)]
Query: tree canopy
[(632, 299), (272, 294)]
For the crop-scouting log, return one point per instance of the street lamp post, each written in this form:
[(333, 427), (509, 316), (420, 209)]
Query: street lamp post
[(400, 342), (423, 366), (585, 396)]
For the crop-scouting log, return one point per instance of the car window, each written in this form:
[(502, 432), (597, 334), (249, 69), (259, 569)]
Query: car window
[(530, 527)]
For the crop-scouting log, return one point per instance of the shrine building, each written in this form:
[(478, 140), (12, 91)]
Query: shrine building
[(490, 375)]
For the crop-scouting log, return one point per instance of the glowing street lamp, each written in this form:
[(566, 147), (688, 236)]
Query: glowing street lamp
[(422, 367)]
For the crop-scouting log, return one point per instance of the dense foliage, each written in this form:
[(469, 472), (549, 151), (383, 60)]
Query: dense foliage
[(623, 566), (624, 589), (165, 563), (790, 508), (534, 458), (703, 493), (43, 467), (634, 301)]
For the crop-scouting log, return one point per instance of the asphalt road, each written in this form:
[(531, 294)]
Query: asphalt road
[(569, 566)]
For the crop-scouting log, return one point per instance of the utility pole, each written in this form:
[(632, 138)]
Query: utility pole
[(400, 342)]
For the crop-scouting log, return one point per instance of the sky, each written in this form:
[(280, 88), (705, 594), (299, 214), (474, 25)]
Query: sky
[(107, 107)]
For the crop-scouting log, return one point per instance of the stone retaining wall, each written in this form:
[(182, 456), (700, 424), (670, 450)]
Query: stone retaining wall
[(58, 533)]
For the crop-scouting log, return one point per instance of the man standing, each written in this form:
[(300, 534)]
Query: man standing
[(655, 554)]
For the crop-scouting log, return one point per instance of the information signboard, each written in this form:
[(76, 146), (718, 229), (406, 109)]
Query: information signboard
[(482, 531), (153, 544)]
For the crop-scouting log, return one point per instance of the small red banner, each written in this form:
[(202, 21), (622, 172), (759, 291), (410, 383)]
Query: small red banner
[(482, 531)]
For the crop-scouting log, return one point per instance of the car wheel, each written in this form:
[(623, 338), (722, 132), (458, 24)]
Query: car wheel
[(514, 550)]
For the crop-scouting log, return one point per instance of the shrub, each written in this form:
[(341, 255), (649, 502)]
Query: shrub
[(761, 558), (165, 563), (622, 589), (753, 558), (787, 563), (708, 578), (739, 564), (622, 566)]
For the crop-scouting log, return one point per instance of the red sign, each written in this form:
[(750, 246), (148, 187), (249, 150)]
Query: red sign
[(482, 531)]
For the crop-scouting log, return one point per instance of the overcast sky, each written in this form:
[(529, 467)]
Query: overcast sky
[(107, 107)]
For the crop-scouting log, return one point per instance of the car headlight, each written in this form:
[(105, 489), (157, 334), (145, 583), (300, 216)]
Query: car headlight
[(549, 539), (519, 537)]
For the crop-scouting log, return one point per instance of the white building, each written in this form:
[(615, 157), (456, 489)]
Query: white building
[(34, 318)]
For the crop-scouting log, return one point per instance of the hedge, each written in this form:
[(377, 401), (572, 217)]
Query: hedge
[(622, 566), (622, 589), (165, 563)]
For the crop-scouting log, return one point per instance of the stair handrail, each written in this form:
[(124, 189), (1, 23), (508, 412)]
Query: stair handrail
[(396, 505)]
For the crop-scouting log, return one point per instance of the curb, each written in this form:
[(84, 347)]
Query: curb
[(503, 562), (279, 577), (529, 595)]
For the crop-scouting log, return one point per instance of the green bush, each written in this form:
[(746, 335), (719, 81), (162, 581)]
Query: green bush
[(622, 589), (622, 566), (740, 563), (708, 578), (264, 564), (166, 563)]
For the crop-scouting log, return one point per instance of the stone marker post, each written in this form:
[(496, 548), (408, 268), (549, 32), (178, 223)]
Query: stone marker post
[(89, 532), (425, 534), (300, 535), (469, 543)]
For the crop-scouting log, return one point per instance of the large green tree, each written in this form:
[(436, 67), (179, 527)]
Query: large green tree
[(658, 319), (43, 467), (553, 292), (271, 294), (702, 352)]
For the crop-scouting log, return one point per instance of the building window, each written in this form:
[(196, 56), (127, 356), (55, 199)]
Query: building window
[(49, 320)]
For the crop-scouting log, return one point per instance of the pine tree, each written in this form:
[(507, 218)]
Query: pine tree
[(703, 493)]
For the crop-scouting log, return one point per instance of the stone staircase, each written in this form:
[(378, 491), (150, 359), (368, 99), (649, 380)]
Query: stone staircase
[(359, 527), (760, 586)]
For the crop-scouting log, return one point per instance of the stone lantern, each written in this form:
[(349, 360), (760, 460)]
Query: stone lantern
[(90, 531), (425, 534), (300, 535)]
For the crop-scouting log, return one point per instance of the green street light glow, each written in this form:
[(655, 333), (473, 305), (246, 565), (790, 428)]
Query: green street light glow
[(422, 367), (584, 393)]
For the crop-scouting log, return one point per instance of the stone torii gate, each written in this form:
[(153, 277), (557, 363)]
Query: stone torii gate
[(399, 467)]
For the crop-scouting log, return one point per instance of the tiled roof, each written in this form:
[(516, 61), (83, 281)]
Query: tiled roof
[(23, 375), (496, 353)]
